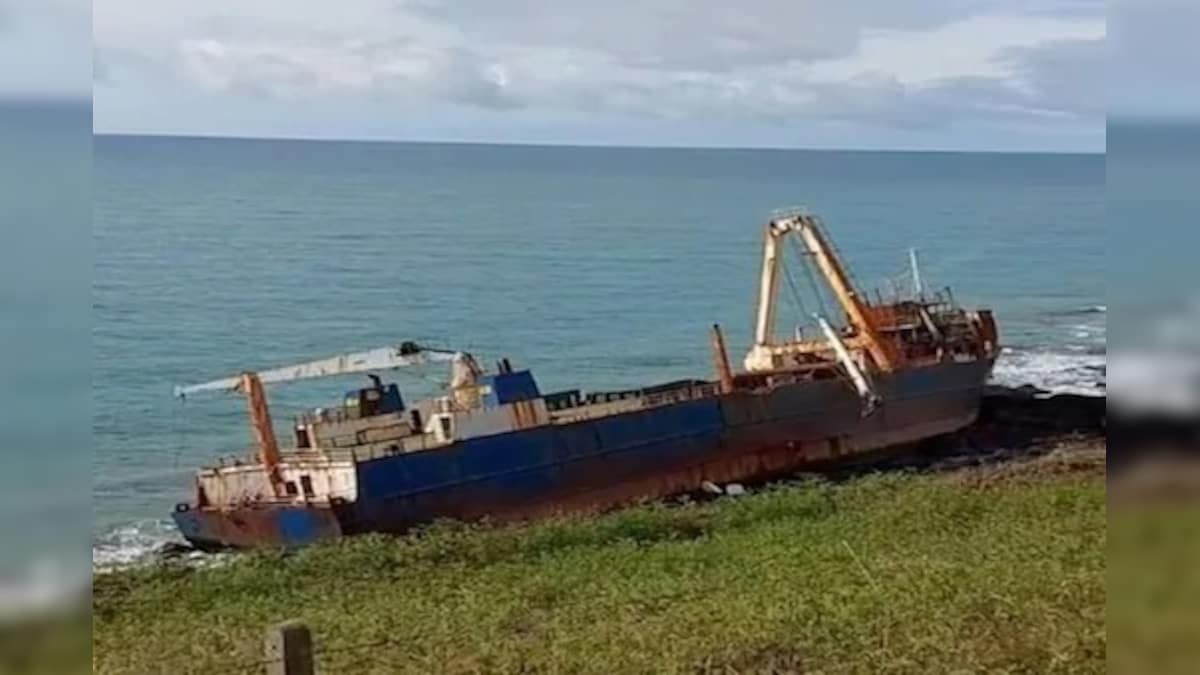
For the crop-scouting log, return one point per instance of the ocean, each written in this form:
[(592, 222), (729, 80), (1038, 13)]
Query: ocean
[(595, 267)]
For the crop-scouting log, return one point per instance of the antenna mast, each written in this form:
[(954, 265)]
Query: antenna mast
[(918, 289)]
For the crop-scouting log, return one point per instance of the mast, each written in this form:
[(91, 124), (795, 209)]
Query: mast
[(721, 360), (260, 423), (918, 290)]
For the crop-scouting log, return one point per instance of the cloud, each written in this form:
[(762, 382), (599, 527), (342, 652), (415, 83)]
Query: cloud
[(656, 34), (918, 64), (711, 35), (44, 48), (1068, 77), (1156, 37), (1154, 60), (115, 66), (397, 69)]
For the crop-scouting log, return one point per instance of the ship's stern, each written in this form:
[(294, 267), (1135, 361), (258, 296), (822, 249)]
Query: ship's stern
[(270, 525), (238, 506)]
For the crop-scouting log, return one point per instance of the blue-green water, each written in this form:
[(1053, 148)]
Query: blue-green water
[(594, 267), (45, 324)]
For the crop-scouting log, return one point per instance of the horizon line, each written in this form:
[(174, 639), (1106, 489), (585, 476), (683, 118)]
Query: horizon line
[(581, 145)]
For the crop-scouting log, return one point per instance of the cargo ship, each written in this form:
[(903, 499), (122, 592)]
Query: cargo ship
[(495, 446)]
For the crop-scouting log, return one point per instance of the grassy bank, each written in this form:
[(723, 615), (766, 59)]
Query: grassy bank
[(1154, 567), (885, 573)]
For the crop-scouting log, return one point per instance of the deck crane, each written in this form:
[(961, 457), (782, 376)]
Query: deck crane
[(766, 352), (250, 384)]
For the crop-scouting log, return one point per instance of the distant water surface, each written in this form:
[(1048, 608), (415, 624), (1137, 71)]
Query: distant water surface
[(596, 267), (45, 329)]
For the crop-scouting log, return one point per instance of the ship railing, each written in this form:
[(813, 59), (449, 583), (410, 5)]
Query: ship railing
[(689, 393), (420, 442), (590, 411), (631, 402)]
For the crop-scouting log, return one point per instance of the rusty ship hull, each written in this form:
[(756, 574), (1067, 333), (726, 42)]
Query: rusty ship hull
[(699, 434), (495, 446)]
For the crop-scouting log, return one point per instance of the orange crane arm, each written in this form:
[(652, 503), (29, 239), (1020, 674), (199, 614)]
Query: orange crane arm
[(260, 423), (761, 356), (881, 351)]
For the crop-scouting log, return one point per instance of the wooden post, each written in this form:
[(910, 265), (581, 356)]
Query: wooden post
[(288, 649)]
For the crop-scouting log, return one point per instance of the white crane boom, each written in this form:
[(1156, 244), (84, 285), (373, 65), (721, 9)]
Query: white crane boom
[(383, 358)]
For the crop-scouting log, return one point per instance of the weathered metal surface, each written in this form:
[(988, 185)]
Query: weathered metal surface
[(496, 447), (600, 464), (302, 479), (882, 352), (258, 525), (599, 476), (264, 430), (721, 360), (764, 354)]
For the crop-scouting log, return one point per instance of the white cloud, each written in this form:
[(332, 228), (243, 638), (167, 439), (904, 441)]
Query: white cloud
[(45, 48), (299, 71), (922, 63), (971, 47), (1154, 59)]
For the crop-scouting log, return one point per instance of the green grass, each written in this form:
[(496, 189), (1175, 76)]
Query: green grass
[(896, 573), (1154, 579), (51, 643)]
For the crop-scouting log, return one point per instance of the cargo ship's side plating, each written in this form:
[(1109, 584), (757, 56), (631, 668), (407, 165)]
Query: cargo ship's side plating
[(496, 446)]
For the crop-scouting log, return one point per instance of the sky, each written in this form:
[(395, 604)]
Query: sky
[(931, 74)]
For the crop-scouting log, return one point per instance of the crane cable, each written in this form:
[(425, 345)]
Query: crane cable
[(796, 297), (812, 279)]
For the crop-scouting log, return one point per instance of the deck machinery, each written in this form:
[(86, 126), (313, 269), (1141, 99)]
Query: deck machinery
[(495, 446)]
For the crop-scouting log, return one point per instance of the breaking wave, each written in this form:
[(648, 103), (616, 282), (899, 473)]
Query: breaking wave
[(1082, 371), (1082, 311), (1072, 359), (133, 544), (145, 542)]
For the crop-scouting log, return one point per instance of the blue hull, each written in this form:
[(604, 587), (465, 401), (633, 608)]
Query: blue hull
[(610, 461)]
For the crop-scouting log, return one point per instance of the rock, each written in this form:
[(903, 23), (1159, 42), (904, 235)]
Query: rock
[(171, 550)]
